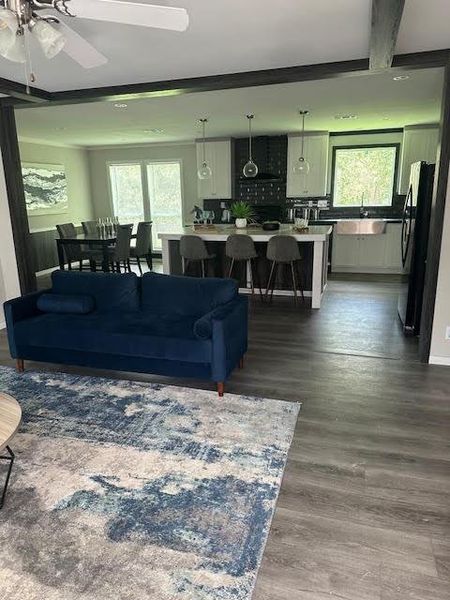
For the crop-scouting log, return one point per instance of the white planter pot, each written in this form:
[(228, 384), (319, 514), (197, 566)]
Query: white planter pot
[(241, 223)]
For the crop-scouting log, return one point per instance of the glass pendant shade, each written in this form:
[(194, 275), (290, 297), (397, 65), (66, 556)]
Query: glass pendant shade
[(16, 52), (204, 171), (301, 167), (250, 168), (50, 40)]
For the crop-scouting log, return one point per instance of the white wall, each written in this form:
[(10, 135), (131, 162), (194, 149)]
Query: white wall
[(99, 159), (76, 165), (440, 347), (9, 278)]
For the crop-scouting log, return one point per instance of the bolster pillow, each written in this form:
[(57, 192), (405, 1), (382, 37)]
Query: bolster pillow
[(66, 304)]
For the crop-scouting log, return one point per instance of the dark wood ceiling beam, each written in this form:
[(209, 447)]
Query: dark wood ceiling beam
[(351, 68), (19, 91), (386, 18)]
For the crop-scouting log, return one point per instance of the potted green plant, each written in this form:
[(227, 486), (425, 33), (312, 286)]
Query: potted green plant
[(241, 211)]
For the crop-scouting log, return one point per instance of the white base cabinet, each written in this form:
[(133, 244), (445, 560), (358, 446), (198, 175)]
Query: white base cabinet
[(368, 253)]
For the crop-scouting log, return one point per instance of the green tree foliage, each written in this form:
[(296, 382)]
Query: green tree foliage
[(364, 175)]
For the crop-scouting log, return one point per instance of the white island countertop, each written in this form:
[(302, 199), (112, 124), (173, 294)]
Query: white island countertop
[(219, 233)]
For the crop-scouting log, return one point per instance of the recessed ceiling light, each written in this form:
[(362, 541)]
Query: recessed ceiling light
[(346, 116), (400, 77), (120, 105)]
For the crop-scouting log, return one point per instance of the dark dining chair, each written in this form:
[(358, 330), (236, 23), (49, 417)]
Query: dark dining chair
[(74, 252), (143, 247), (121, 251), (89, 227)]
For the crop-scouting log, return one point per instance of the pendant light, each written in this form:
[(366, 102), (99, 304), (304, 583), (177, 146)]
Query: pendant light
[(204, 171), (250, 169), (301, 167)]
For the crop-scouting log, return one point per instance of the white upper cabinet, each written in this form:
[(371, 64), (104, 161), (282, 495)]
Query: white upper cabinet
[(218, 157), (419, 143), (316, 153)]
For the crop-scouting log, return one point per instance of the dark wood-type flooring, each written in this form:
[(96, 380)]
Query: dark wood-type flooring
[(364, 508)]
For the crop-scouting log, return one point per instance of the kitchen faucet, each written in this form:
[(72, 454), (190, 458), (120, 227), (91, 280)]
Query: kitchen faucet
[(363, 213)]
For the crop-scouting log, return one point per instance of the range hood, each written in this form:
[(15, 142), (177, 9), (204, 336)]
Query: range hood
[(266, 154), (261, 176)]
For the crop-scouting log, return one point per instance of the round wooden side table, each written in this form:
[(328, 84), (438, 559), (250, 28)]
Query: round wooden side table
[(10, 417)]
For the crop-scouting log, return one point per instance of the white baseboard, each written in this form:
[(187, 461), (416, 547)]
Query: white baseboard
[(439, 360), (306, 293), (363, 270)]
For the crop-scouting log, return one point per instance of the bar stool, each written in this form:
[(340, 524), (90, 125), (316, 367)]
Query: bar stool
[(241, 248), (283, 250), (193, 249)]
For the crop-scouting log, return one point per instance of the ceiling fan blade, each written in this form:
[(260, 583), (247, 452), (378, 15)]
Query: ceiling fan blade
[(80, 50), (131, 13)]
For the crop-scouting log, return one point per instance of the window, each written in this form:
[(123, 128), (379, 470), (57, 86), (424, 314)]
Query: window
[(148, 191), (126, 192), (164, 193), (364, 175)]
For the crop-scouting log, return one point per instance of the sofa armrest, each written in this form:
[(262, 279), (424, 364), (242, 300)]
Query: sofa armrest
[(19, 309), (229, 337)]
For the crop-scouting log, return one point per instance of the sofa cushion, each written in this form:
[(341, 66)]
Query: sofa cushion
[(80, 304), (191, 296), (112, 292), (133, 334)]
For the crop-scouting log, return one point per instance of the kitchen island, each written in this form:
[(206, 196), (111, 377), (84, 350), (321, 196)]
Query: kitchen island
[(313, 248)]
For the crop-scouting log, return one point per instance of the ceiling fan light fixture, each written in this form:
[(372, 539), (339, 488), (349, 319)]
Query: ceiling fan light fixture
[(8, 29), (16, 53), (50, 39)]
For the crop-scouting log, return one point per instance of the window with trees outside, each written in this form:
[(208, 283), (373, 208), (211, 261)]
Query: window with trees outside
[(364, 175), (148, 190)]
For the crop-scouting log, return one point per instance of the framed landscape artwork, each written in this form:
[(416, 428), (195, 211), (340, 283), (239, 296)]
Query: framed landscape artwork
[(45, 189)]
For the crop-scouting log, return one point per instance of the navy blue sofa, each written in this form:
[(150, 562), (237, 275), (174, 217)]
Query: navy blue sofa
[(162, 324)]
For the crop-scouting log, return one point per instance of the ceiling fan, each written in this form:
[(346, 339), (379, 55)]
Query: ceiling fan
[(20, 17)]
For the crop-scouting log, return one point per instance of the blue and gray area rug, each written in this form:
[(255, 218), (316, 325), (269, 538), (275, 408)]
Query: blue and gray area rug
[(124, 490)]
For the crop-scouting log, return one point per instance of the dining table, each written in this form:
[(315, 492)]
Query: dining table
[(92, 240)]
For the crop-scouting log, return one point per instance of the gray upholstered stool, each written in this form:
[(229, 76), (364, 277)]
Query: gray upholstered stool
[(193, 249), (283, 250), (240, 248)]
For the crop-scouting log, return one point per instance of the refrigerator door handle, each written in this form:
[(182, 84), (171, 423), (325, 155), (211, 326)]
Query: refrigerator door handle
[(406, 225)]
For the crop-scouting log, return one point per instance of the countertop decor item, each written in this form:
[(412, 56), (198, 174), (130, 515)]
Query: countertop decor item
[(250, 169), (271, 225), (241, 211), (139, 490)]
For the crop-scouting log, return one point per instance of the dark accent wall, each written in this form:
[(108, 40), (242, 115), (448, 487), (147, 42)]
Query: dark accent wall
[(270, 155)]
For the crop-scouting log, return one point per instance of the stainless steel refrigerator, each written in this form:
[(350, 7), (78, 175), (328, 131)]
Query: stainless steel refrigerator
[(414, 245)]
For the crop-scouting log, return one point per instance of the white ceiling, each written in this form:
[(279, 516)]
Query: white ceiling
[(377, 100), (228, 36)]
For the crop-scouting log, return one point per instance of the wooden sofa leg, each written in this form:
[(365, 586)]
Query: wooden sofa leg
[(220, 388), (241, 362), (20, 366)]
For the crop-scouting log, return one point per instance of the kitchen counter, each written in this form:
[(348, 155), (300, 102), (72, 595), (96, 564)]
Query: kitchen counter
[(314, 249)]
